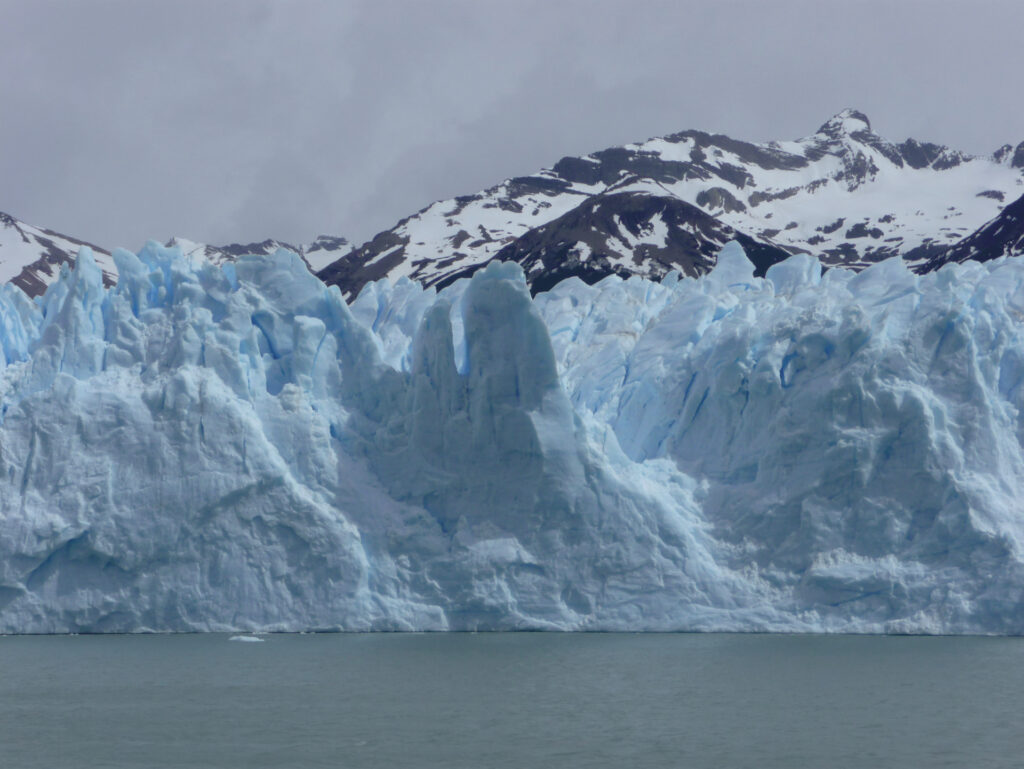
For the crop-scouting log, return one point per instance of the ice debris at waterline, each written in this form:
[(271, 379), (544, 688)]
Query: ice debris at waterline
[(233, 448)]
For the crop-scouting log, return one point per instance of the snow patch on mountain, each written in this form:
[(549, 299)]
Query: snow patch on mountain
[(1002, 236)]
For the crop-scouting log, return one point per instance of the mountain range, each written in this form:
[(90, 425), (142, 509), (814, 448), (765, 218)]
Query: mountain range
[(844, 194)]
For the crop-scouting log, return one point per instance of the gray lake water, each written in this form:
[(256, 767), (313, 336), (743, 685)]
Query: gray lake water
[(511, 700)]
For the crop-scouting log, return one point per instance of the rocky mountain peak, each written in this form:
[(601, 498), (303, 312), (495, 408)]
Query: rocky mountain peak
[(849, 122)]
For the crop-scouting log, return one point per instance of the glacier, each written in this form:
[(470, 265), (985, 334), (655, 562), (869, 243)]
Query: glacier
[(234, 448)]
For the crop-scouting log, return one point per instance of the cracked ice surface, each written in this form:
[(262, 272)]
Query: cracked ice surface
[(234, 448)]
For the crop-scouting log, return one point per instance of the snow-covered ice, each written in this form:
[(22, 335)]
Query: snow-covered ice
[(234, 448)]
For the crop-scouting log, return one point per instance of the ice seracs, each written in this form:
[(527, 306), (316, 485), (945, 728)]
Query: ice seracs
[(234, 448)]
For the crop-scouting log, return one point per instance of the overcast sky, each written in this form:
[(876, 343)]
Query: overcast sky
[(237, 120)]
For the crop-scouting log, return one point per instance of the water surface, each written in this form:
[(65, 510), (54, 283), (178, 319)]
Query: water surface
[(511, 700)]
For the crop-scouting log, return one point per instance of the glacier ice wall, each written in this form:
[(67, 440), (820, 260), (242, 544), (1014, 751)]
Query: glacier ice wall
[(222, 448)]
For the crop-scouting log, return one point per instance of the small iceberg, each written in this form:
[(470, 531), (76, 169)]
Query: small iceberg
[(247, 639)]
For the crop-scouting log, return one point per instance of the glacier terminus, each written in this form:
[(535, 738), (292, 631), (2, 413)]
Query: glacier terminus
[(233, 447)]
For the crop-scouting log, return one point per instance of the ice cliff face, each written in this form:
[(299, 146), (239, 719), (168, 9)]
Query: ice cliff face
[(233, 447)]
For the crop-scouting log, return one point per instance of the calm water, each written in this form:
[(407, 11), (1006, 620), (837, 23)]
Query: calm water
[(521, 700)]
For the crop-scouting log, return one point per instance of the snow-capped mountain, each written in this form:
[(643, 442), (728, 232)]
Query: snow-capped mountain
[(843, 194), (31, 257)]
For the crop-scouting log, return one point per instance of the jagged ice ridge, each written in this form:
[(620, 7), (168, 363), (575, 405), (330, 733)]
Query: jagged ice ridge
[(233, 447)]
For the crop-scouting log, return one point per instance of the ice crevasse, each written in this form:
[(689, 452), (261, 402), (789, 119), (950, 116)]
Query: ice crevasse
[(235, 448)]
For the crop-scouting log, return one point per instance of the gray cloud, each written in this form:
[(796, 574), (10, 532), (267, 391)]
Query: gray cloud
[(244, 119)]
